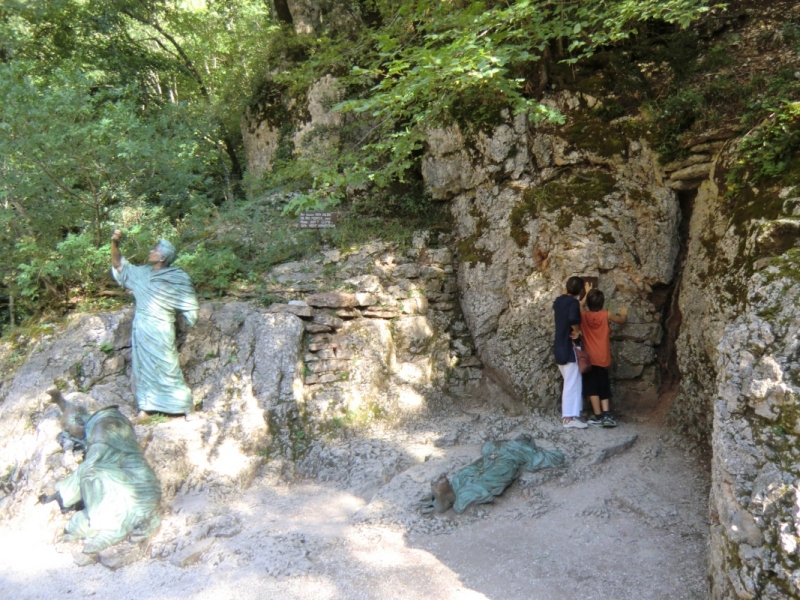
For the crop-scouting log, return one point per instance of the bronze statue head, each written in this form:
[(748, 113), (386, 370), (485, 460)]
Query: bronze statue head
[(73, 418)]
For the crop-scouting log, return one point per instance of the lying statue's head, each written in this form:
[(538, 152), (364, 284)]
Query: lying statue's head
[(73, 418), (442, 493)]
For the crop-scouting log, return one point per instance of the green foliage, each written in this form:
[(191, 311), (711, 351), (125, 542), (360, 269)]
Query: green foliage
[(789, 33), (675, 115), (719, 94), (78, 162), (769, 152), (116, 114), (126, 114), (237, 242), (424, 64), (155, 419), (212, 269)]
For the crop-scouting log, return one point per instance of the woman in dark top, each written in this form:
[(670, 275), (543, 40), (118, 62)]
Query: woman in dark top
[(567, 312)]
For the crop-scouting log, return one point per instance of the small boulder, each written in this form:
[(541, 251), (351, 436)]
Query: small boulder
[(329, 321), (332, 300), (191, 554), (365, 299)]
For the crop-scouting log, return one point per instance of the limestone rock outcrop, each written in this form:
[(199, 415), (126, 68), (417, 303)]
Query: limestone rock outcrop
[(535, 205), (738, 355), (260, 139), (755, 492), (389, 339)]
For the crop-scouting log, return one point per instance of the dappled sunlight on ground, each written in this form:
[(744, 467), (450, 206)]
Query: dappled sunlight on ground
[(360, 534)]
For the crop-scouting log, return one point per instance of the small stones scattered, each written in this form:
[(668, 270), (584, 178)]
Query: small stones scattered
[(303, 311), (191, 554), (84, 560), (120, 555), (618, 447), (449, 439)]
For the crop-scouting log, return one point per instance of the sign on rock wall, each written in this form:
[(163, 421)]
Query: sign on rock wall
[(317, 220)]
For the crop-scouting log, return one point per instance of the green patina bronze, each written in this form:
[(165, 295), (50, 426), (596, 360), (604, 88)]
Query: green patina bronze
[(119, 491), (157, 380), (500, 464)]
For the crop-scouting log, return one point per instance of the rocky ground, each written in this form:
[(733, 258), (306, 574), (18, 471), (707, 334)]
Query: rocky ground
[(627, 518)]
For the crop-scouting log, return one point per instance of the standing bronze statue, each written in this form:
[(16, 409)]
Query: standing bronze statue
[(114, 490), (160, 291)]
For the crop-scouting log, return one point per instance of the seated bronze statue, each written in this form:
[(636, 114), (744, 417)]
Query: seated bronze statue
[(479, 482), (114, 490)]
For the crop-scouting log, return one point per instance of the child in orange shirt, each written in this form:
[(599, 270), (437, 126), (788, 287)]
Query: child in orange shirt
[(596, 341)]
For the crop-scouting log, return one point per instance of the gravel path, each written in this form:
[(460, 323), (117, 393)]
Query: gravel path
[(626, 519)]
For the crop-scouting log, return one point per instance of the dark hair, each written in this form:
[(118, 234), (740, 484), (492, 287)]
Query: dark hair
[(595, 300), (574, 286)]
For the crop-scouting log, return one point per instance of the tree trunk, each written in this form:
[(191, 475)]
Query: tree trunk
[(544, 75), (305, 16), (230, 150), (282, 11)]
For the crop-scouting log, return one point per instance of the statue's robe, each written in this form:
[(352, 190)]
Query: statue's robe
[(501, 463), (120, 492), (158, 383)]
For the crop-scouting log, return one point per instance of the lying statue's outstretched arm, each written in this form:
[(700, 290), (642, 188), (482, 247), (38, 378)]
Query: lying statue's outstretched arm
[(44, 498)]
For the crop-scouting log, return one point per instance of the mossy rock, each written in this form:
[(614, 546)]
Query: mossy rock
[(591, 133), (466, 248), (578, 193)]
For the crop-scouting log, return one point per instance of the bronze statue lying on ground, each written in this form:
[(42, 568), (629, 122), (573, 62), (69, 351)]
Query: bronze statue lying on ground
[(119, 491), (487, 477)]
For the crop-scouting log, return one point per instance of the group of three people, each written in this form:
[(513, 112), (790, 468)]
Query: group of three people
[(581, 320)]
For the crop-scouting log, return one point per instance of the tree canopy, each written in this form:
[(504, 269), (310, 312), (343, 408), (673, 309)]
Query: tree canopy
[(127, 112)]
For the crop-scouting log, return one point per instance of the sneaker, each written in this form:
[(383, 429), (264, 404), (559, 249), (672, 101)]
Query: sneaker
[(575, 423), (608, 421), (595, 420)]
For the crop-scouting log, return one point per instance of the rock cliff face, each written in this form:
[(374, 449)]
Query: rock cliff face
[(755, 497), (535, 205), (738, 354)]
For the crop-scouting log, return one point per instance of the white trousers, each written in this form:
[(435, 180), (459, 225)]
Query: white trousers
[(571, 397)]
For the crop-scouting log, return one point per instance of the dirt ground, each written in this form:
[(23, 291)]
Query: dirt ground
[(626, 519)]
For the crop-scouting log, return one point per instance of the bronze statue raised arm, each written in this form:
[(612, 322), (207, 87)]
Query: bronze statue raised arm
[(160, 291)]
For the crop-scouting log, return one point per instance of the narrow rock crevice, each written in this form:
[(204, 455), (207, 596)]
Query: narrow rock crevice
[(665, 297)]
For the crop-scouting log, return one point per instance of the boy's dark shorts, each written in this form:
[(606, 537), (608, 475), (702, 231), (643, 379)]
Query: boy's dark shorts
[(597, 383)]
